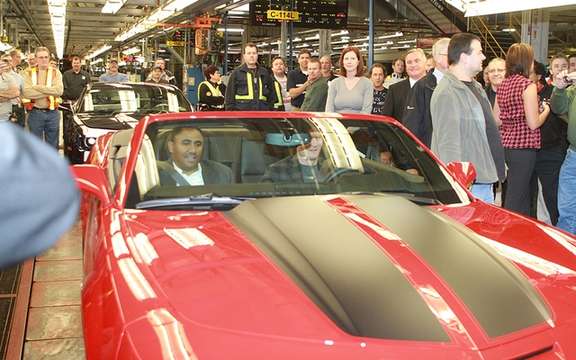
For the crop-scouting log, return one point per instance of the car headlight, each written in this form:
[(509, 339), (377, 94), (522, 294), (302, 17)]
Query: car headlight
[(89, 142)]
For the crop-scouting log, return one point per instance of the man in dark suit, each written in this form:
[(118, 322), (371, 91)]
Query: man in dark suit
[(186, 167), (399, 93), (417, 117)]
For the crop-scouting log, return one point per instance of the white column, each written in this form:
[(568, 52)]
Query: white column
[(535, 31)]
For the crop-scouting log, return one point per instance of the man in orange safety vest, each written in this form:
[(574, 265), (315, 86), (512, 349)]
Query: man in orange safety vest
[(41, 97)]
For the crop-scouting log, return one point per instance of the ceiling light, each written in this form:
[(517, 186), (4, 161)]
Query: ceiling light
[(112, 6), (510, 29), (396, 34), (99, 51), (230, 30), (317, 36), (178, 5), (488, 7), (132, 50), (343, 32), (57, 11)]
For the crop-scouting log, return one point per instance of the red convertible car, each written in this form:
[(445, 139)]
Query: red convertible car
[(308, 236)]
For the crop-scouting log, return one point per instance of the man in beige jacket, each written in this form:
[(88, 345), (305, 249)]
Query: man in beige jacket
[(41, 96)]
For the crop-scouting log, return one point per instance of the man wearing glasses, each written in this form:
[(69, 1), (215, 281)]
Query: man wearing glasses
[(496, 72), (41, 96)]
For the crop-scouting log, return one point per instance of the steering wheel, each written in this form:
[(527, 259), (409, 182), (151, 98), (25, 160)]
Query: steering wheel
[(339, 172)]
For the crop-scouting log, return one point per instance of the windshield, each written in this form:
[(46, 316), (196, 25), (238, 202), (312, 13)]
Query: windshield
[(124, 98), (255, 158)]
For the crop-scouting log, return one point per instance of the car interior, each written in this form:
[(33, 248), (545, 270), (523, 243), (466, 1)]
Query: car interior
[(250, 153)]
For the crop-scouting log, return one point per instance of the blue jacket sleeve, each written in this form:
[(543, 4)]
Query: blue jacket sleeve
[(39, 196)]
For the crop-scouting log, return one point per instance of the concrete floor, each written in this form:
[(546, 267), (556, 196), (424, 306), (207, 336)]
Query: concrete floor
[(54, 328)]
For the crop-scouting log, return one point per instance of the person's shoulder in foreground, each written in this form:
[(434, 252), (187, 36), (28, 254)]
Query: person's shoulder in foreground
[(39, 196)]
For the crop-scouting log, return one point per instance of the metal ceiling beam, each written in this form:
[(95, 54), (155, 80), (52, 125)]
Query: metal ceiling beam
[(128, 3)]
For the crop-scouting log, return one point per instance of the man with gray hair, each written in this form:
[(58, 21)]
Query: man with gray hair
[(399, 93), (417, 117)]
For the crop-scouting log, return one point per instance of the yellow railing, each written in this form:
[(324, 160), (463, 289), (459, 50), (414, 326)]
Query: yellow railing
[(489, 40)]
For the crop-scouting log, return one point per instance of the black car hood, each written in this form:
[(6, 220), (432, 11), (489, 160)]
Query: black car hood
[(111, 122), (357, 281)]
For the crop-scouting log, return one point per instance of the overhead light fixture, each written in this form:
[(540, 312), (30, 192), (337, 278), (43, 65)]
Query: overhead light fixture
[(230, 30), (510, 29), (489, 7), (112, 6), (57, 11), (168, 10), (178, 5), (343, 32), (101, 50), (389, 36), (315, 37), (131, 51)]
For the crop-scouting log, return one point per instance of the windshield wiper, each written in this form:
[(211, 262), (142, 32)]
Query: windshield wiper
[(200, 202), (420, 200)]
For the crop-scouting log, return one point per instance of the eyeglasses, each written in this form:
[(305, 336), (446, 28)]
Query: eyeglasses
[(493, 71)]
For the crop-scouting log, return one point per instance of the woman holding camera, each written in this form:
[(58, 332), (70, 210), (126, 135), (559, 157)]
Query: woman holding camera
[(517, 109)]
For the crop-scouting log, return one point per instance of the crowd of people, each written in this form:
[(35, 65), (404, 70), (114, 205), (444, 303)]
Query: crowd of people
[(518, 128), (513, 126)]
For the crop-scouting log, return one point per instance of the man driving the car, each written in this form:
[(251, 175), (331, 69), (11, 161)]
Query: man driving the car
[(185, 166), (304, 166)]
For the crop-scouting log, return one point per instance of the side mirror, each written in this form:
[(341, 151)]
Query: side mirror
[(93, 180), (464, 172)]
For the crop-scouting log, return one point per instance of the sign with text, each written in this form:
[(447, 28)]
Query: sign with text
[(283, 15), (316, 14)]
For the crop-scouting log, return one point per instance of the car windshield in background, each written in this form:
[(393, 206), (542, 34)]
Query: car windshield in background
[(219, 163), (132, 98)]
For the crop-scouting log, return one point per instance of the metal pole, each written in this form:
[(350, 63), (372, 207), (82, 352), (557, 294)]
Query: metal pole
[(282, 45), (370, 33), (225, 61)]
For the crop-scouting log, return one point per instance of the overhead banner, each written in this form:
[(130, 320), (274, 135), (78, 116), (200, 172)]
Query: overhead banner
[(321, 14)]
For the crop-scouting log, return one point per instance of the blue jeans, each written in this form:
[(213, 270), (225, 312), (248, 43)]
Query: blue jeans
[(567, 193), (45, 125), (483, 192)]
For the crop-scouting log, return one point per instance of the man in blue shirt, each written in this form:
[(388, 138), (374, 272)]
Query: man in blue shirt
[(112, 75)]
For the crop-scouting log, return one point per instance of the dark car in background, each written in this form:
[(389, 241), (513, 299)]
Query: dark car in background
[(105, 107)]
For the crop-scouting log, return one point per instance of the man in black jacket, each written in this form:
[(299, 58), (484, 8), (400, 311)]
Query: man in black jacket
[(399, 93), (417, 117), (250, 86)]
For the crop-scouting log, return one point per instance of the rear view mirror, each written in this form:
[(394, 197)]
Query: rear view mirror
[(288, 140), (464, 172)]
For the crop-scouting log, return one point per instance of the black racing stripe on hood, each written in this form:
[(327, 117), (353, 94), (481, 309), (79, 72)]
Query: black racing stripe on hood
[(339, 267), (499, 296)]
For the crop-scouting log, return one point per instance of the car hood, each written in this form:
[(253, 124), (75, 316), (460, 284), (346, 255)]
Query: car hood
[(110, 122), (355, 269)]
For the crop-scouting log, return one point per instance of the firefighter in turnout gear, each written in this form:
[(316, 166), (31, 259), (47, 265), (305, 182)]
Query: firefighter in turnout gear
[(41, 96), (211, 91), (251, 87)]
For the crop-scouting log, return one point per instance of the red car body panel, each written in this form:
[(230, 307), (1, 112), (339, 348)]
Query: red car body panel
[(191, 285)]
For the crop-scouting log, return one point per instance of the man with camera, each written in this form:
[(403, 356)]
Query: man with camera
[(563, 102)]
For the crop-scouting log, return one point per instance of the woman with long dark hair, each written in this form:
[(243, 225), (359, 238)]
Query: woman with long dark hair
[(517, 109)]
